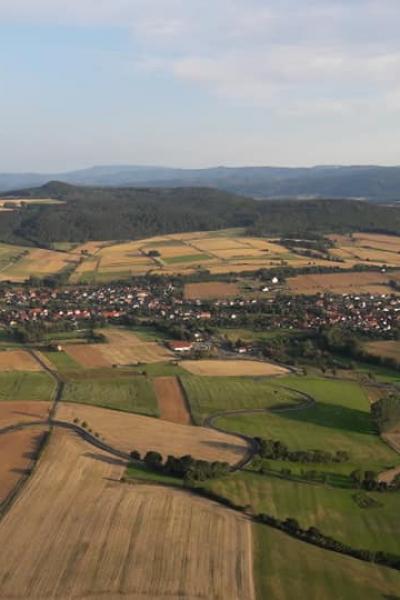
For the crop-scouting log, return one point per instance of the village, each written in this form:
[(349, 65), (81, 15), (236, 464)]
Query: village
[(164, 306)]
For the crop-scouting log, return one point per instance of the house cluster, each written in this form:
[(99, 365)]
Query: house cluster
[(364, 313)]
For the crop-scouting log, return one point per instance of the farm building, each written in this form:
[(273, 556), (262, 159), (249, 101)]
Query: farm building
[(180, 346)]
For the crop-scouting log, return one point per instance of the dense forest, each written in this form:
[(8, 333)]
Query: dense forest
[(90, 213)]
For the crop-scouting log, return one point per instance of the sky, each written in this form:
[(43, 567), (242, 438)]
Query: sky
[(195, 83)]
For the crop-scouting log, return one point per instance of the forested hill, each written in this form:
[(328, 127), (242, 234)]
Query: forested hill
[(89, 213)]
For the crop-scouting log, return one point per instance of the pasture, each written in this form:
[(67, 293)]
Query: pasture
[(285, 567), (22, 385), (136, 432), (332, 510), (90, 536), (211, 395), (129, 394), (225, 368), (340, 420)]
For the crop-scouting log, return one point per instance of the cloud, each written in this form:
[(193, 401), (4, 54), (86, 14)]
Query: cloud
[(293, 56)]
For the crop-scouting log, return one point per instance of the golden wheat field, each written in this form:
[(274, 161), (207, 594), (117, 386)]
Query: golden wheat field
[(128, 431), (367, 282), (18, 450), (226, 368), (18, 360), (122, 348), (90, 536), (38, 263)]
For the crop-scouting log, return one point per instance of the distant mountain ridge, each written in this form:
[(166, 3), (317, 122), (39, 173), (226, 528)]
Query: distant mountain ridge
[(376, 183)]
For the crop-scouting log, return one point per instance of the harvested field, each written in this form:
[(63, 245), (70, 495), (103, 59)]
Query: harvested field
[(135, 432), (171, 401), (387, 349), (124, 348), (222, 368), (211, 290), (38, 263), (89, 536), (87, 355), (15, 412), (18, 451), (368, 282), (18, 360)]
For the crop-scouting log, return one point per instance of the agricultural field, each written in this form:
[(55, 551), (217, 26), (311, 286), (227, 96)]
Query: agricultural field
[(340, 418), (225, 368), (365, 282), (286, 568), (38, 263), (333, 510), (88, 535), (367, 247), (18, 452), (22, 385), (18, 360), (171, 401), (212, 395), (18, 202), (129, 432), (128, 394), (13, 412), (211, 290), (123, 348), (386, 349), (217, 251)]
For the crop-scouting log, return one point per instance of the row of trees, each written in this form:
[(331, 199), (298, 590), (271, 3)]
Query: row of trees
[(312, 535), (186, 467), (277, 450)]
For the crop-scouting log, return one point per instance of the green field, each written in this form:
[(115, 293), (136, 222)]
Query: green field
[(61, 361), (210, 395), (340, 420), (133, 394), (332, 510), (287, 569), (185, 258), (21, 385), (141, 473)]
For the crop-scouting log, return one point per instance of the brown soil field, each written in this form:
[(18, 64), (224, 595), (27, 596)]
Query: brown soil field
[(18, 360), (129, 432), (123, 348), (87, 355), (14, 412), (90, 536), (389, 475), (211, 290), (18, 450), (388, 349), (226, 368), (171, 401), (368, 282)]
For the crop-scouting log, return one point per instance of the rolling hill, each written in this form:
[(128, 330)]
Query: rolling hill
[(381, 184)]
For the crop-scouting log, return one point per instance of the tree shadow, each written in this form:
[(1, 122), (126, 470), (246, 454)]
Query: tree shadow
[(224, 446), (119, 462), (334, 416)]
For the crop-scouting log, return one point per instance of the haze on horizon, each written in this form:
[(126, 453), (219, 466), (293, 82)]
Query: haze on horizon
[(197, 83)]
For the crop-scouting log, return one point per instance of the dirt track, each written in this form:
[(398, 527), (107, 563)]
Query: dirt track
[(88, 535)]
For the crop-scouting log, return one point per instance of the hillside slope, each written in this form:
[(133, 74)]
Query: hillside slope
[(133, 213)]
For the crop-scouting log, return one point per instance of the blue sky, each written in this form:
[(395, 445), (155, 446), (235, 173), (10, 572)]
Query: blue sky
[(198, 82)]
